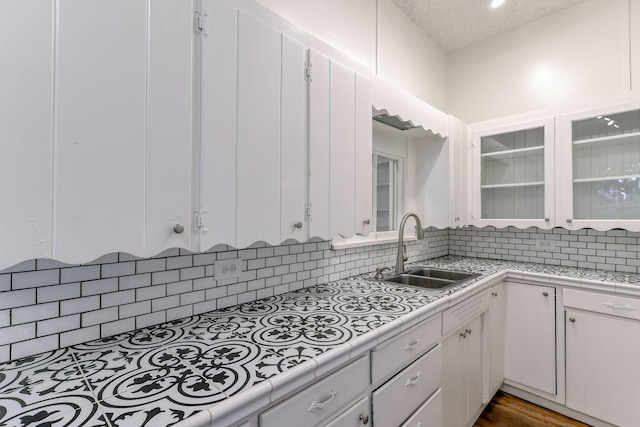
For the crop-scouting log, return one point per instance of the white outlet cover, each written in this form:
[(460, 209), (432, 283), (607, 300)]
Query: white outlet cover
[(545, 245), (227, 268)]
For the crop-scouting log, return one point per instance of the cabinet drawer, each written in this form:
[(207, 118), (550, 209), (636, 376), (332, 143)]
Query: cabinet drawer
[(464, 311), (395, 401), (398, 352), (429, 414), (317, 402), (355, 416), (602, 303)]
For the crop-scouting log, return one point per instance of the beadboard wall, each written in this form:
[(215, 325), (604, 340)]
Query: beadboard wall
[(46, 305), (613, 250)]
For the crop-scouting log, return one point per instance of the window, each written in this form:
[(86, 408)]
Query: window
[(385, 192)]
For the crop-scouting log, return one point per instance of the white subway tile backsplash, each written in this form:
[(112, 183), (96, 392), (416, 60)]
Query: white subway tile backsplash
[(23, 266), (97, 287), (192, 273), (186, 311), (98, 317), (79, 305), (117, 327), (58, 292), (151, 292), (17, 333), (179, 287), (135, 309), (150, 319), (34, 346), (79, 336), (5, 282), (5, 318), (34, 313), (5, 351), (21, 298), (179, 262), (119, 269), (57, 325), (165, 277), (201, 307), (165, 303), (132, 282), (192, 297), (114, 299), (32, 279), (151, 265), (79, 274)]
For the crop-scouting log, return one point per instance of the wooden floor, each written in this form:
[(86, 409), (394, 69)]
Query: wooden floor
[(506, 410)]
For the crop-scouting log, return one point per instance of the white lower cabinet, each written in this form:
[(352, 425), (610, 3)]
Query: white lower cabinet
[(602, 354), (462, 374), (357, 415), (530, 336), (497, 313), (397, 399), (322, 399), (429, 414)]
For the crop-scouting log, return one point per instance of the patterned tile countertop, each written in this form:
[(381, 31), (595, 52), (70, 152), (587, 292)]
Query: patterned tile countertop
[(164, 374)]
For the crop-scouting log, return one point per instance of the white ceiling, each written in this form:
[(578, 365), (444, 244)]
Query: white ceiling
[(455, 24)]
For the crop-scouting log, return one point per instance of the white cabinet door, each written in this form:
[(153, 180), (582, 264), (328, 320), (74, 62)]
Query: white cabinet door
[(293, 144), (459, 172), (356, 416), (217, 153), (513, 174), (258, 133), (364, 151), (99, 128), (497, 318), (462, 374), (342, 152), (603, 374), (26, 121), (530, 336), (169, 115), (597, 162), (319, 144)]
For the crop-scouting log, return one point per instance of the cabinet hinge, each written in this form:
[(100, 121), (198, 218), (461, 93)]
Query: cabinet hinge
[(201, 24), (308, 72), (200, 220), (308, 209)]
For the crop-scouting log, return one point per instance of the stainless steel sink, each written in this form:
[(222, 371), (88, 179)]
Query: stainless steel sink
[(429, 278)]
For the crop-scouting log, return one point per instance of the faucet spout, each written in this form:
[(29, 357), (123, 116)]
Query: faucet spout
[(420, 235)]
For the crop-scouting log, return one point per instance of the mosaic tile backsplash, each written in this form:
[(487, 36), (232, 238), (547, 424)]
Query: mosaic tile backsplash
[(46, 305)]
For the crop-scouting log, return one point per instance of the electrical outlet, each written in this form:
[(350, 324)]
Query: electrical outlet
[(227, 268), (545, 245)]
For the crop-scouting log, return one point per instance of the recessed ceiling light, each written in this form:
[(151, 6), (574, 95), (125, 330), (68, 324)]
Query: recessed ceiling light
[(496, 3)]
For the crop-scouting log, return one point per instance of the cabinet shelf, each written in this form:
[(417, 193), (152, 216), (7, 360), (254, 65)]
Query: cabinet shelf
[(606, 178), (518, 184), (621, 138), (518, 152)]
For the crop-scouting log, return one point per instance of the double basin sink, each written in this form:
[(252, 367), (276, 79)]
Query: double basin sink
[(429, 278)]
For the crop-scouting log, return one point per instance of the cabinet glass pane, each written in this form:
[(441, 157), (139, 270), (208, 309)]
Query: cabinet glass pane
[(386, 190), (606, 166), (512, 175)]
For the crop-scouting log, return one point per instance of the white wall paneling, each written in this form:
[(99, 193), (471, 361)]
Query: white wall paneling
[(319, 148), (432, 165), (218, 125), (459, 172), (364, 149), (169, 97), (293, 144), (25, 119), (100, 132), (258, 134), (342, 151)]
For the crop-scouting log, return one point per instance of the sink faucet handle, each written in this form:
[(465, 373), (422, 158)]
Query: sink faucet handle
[(379, 271)]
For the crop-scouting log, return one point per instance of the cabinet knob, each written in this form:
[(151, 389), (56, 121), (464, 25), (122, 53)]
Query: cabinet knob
[(569, 220), (178, 228), (364, 418), (468, 331), (463, 334), (298, 225), (572, 319), (494, 294), (367, 222), (547, 219), (546, 294), (457, 218)]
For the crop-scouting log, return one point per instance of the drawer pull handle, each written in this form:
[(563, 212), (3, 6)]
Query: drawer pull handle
[(414, 380), (618, 306), (319, 406), (572, 319), (412, 345), (364, 418)]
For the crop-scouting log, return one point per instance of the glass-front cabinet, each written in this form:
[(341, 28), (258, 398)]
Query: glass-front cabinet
[(513, 174), (598, 168)]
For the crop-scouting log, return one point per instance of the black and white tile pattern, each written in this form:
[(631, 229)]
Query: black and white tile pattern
[(163, 374)]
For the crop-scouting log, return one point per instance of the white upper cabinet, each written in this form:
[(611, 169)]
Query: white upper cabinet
[(513, 174), (26, 59), (258, 133), (340, 139), (293, 145), (459, 172), (216, 154), (169, 126), (598, 168), (100, 128), (364, 149)]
